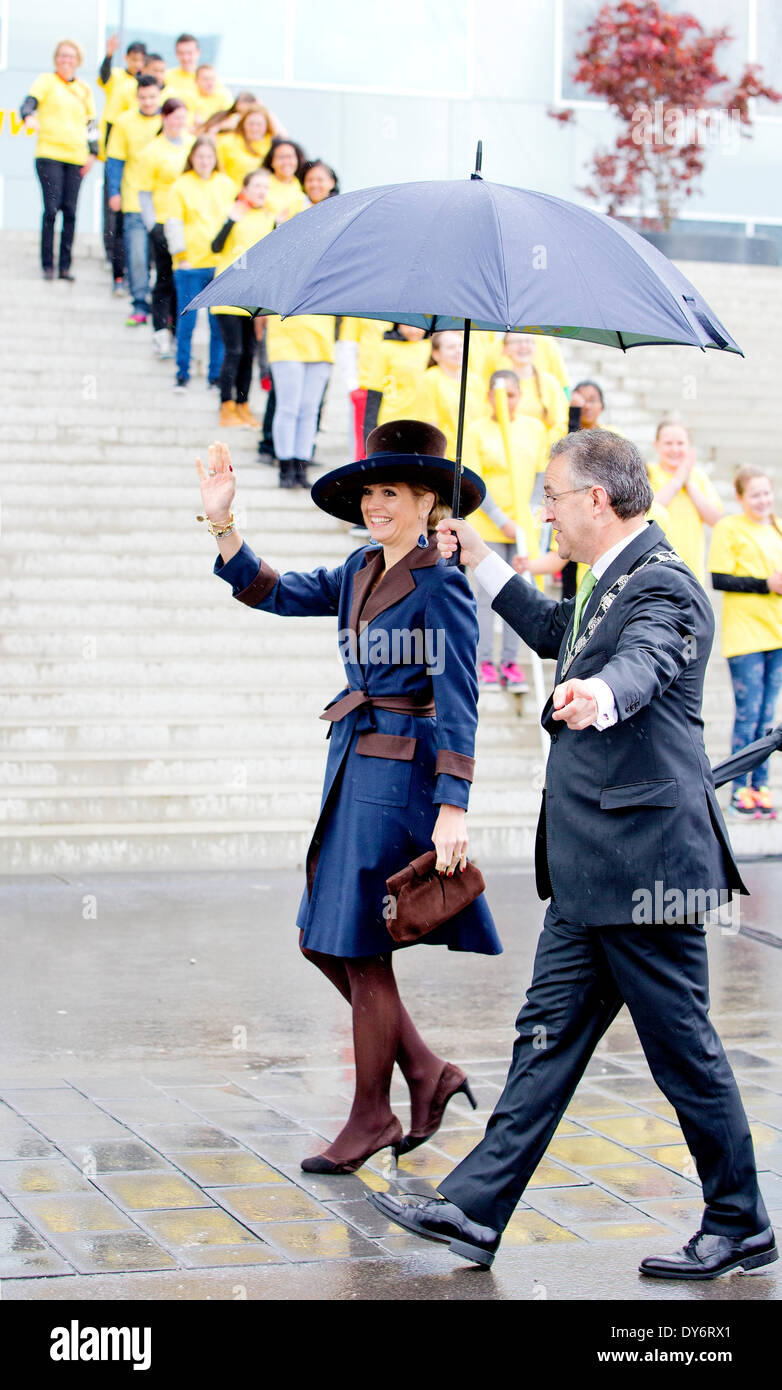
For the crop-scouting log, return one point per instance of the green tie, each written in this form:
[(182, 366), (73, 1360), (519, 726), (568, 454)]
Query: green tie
[(584, 590)]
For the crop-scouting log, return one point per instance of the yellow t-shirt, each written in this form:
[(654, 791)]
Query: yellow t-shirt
[(684, 526), (183, 85), (284, 200), (255, 224), (484, 452), (202, 206), (159, 164), (121, 91), (395, 368), (300, 338), (748, 549), (205, 106), (130, 135), (367, 333), (548, 358), (438, 403), (63, 112), (234, 158)]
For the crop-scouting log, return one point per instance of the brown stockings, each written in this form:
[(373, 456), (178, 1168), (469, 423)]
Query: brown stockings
[(383, 1033)]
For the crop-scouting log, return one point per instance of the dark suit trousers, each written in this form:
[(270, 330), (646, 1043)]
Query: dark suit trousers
[(582, 976)]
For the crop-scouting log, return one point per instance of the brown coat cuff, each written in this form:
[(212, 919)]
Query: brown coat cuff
[(262, 584), (455, 765)]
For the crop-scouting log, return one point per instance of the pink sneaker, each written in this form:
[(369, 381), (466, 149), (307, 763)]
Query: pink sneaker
[(487, 676), (513, 678), (134, 319)]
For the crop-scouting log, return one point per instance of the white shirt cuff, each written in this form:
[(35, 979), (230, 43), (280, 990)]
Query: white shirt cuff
[(493, 573), (606, 704)]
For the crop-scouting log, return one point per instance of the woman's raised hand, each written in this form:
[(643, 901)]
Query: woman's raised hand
[(218, 486)]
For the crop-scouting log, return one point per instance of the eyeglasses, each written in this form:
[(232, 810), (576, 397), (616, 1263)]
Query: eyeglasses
[(550, 498)]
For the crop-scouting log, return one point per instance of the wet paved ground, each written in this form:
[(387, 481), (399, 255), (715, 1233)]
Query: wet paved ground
[(169, 1058)]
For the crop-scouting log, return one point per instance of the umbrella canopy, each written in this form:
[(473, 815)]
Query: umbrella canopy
[(438, 254)]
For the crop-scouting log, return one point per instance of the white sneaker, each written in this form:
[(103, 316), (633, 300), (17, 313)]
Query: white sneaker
[(163, 343)]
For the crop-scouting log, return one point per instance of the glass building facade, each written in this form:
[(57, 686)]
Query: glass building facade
[(387, 93)]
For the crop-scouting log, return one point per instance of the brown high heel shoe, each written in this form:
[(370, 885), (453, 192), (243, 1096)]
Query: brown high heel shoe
[(391, 1139), (451, 1082)]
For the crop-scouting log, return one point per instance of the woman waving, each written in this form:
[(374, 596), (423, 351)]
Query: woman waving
[(400, 758)]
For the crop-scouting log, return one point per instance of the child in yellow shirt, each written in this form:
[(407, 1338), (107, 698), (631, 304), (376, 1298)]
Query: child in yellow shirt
[(745, 560)]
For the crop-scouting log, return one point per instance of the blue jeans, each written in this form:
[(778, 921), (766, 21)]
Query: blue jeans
[(189, 283), (137, 258), (757, 678)]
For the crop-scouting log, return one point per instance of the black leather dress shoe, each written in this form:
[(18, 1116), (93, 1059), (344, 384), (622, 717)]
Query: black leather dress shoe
[(707, 1255), (435, 1219)]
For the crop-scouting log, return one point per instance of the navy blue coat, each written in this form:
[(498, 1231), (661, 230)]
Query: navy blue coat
[(630, 830), (387, 771)]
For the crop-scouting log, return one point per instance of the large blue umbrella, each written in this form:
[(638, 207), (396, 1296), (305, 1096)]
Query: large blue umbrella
[(465, 254)]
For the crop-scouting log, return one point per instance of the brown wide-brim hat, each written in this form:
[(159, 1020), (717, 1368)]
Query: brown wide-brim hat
[(404, 451)]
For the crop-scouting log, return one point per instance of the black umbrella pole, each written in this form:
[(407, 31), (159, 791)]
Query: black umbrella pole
[(457, 472)]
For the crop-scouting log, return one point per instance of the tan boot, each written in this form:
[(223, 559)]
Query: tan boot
[(228, 414), (246, 416)]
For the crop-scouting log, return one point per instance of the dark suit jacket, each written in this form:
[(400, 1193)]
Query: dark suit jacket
[(630, 830)]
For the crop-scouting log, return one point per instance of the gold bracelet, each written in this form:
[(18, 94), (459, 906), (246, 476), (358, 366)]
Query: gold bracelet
[(218, 531)]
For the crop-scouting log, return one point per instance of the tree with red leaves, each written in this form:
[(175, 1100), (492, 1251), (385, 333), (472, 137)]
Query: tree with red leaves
[(659, 76)]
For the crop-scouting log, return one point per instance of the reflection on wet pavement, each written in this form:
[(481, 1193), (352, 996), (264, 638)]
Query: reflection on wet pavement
[(171, 1166)]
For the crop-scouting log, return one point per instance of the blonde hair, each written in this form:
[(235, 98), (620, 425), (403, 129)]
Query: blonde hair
[(744, 474), (669, 421), (440, 509), (240, 125), (77, 48), (543, 407)]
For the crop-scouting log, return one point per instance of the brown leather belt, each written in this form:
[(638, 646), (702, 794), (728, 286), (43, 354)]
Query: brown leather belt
[(399, 704)]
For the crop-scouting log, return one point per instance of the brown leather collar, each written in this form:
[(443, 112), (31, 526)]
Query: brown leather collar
[(395, 584)]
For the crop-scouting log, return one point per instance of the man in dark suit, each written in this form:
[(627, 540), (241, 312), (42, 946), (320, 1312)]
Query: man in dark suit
[(632, 851)]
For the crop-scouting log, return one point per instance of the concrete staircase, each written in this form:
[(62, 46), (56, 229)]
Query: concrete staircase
[(146, 720), (728, 402)]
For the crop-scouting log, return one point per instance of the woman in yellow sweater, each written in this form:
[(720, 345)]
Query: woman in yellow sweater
[(745, 560), (198, 203), (438, 395), (285, 162), (241, 150), (61, 108), (689, 497), (247, 222)]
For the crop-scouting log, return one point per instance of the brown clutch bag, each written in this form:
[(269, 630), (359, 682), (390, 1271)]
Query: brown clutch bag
[(422, 899)]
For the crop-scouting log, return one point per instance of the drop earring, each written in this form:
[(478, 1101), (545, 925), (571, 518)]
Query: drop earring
[(423, 540)]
